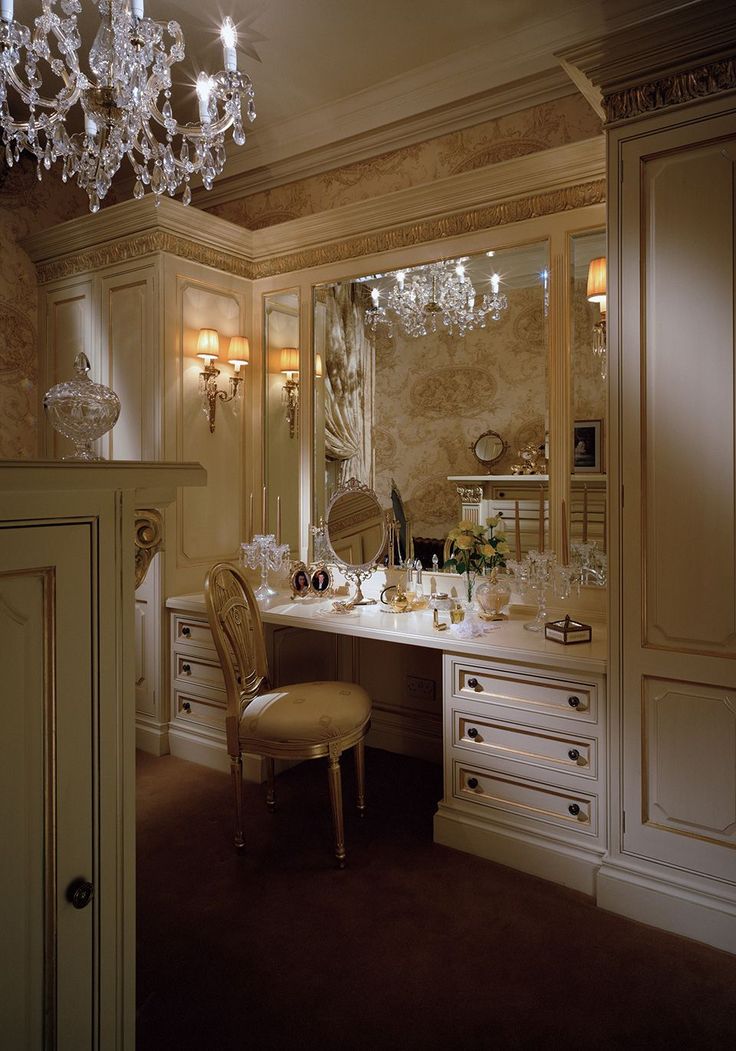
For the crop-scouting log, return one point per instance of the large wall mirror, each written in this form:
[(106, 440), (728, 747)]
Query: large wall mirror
[(412, 366), (588, 370), (282, 413)]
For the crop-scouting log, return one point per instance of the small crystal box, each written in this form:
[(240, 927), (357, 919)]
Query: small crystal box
[(568, 631)]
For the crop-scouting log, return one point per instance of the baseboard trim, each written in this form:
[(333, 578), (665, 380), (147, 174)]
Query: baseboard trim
[(151, 737), (560, 863), (648, 897)]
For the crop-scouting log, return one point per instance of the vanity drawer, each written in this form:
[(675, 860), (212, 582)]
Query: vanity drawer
[(195, 670), (577, 811), (494, 738), (191, 707), (189, 630), (564, 698)]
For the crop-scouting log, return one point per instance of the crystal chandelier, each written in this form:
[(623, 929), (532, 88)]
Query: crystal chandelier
[(425, 296), (129, 70)]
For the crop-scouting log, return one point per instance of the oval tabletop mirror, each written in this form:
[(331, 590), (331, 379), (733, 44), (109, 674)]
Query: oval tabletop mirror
[(488, 448), (355, 532)]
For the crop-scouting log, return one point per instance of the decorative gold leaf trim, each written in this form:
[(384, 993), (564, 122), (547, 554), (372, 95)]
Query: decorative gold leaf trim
[(674, 90), (476, 219)]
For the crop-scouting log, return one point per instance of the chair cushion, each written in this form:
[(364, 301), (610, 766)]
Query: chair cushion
[(307, 712)]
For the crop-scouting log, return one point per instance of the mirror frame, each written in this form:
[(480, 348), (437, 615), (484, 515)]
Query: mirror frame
[(354, 486), (489, 463)]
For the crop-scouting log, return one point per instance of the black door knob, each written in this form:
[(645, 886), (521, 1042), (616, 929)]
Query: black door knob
[(472, 782), (472, 732), (574, 702), (80, 893), (574, 754), (473, 684), (574, 809)]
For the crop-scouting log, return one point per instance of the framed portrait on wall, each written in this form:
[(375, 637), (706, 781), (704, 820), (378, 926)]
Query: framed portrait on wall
[(587, 446)]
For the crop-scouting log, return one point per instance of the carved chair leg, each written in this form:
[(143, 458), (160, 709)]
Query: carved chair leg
[(360, 774), (236, 770), (270, 786), (335, 782)]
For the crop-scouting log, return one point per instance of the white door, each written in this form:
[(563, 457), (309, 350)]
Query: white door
[(48, 789)]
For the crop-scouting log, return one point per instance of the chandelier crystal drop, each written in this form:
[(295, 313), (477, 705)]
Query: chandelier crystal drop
[(425, 297), (123, 100)]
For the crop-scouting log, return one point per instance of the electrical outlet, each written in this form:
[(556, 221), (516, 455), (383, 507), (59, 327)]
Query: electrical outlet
[(420, 689)]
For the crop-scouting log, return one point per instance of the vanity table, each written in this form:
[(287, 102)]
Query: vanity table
[(523, 727)]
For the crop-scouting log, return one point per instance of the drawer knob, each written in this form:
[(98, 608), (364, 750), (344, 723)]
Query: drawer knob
[(187, 669), (186, 632), (574, 754), (472, 782), (80, 893), (574, 702), (472, 732), (473, 683), (574, 809), (186, 706)]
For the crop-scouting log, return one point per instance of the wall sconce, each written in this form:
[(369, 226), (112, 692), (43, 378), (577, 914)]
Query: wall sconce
[(208, 348), (318, 366), (596, 293), (290, 396)]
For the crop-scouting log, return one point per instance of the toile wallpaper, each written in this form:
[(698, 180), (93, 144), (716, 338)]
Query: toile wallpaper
[(26, 206), (532, 130), (435, 395)]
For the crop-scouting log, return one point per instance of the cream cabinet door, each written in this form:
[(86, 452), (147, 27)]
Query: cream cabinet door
[(678, 445), (48, 787)]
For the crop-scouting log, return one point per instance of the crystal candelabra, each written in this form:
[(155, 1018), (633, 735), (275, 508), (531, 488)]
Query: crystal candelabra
[(265, 554), (129, 63), (535, 575)]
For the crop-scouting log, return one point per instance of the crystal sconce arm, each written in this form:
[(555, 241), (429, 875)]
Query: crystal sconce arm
[(208, 348), (290, 390)]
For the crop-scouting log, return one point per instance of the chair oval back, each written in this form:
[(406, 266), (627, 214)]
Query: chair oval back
[(237, 630)]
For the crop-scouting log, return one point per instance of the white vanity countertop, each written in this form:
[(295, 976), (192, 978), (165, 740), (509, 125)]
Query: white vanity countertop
[(506, 639)]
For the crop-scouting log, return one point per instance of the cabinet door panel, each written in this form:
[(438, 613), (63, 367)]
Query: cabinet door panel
[(47, 786)]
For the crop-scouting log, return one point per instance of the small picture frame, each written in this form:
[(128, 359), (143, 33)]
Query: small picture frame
[(587, 446), (321, 580), (300, 581)]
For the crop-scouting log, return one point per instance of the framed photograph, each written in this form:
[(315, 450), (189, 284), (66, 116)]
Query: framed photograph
[(321, 580), (301, 584), (587, 446)]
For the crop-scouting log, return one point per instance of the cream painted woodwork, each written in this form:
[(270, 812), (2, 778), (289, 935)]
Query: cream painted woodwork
[(67, 768), (137, 318), (525, 766), (674, 340)]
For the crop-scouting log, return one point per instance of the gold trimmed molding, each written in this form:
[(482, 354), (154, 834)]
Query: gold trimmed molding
[(673, 90), (470, 221), (149, 529)]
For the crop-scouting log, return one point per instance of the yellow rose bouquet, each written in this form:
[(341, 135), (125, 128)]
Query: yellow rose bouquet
[(476, 549)]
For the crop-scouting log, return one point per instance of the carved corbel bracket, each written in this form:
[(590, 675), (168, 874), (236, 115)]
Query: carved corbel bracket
[(149, 527)]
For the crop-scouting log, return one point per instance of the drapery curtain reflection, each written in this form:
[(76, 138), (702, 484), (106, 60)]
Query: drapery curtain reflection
[(349, 383)]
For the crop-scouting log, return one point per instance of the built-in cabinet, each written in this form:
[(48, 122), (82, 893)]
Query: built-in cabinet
[(67, 802), (132, 288)]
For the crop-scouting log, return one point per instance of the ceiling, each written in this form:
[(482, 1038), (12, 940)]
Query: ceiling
[(329, 70)]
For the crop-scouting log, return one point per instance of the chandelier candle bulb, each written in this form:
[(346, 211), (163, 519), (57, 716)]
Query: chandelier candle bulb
[(136, 7), (7, 10), (229, 38), (249, 524), (541, 519), (517, 531), (264, 510), (585, 513), (278, 519), (565, 548)]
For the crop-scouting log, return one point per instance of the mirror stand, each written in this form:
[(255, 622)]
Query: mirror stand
[(356, 577)]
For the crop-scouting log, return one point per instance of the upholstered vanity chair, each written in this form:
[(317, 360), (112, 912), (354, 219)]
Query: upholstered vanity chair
[(304, 721)]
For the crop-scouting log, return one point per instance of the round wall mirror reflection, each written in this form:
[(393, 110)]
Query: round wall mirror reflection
[(488, 448), (356, 526)]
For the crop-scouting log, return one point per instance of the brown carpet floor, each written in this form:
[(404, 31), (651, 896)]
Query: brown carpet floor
[(411, 946)]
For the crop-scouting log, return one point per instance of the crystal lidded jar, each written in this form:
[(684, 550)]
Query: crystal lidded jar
[(82, 410)]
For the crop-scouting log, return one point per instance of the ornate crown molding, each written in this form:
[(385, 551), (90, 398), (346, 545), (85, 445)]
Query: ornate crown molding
[(674, 90)]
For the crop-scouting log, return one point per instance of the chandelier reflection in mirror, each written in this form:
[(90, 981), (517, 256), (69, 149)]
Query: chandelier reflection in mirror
[(129, 64), (423, 297)]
